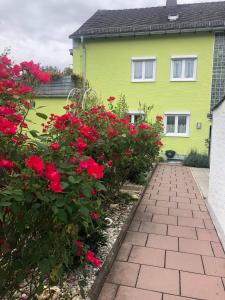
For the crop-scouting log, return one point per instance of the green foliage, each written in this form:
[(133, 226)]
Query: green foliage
[(67, 71), (54, 186), (54, 72), (79, 81), (121, 107), (195, 159)]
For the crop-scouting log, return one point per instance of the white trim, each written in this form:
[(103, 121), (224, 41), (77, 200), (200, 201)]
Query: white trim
[(177, 113), (136, 112), (133, 113), (143, 59), (182, 58), (176, 134)]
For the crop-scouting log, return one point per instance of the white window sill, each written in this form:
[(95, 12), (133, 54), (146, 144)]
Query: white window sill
[(137, 80), (183, 79), (177, 135)]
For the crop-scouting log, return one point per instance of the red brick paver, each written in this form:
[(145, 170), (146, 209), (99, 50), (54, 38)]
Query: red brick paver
[(172, 250)]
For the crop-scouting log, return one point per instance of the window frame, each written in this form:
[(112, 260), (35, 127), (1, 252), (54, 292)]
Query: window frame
[(133, 113), (177, 114), (143, 59), (183, 58)]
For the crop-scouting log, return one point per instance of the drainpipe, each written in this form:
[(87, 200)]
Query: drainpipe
[(83, 62)]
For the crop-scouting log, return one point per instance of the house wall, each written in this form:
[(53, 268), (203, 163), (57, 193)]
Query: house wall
[(216, 198), (51, 105), (108, 69)]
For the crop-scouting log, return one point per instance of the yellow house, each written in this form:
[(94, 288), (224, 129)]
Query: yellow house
[(170, 57)]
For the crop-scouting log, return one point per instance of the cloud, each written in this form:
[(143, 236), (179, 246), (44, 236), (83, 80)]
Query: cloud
[(39, 29)]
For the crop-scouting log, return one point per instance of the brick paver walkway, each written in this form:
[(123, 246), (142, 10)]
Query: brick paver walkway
[(171, 251)]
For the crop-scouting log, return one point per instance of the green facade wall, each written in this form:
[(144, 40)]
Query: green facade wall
[(108, 69), (51, 105)]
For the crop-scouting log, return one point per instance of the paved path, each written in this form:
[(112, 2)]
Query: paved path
[(171, 251), (201, 176)]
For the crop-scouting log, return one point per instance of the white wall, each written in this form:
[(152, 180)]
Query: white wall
[(216, 198)]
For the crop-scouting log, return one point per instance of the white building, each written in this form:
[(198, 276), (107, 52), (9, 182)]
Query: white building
[(216, 198)]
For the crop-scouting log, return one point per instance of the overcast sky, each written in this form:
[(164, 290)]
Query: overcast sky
[(38, 29)]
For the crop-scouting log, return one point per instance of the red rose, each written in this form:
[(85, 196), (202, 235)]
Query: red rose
[(111, 98), (7, 127), (80, 247), (101, 157), (93, 169), (159, 118), (94, 216), (72, 160), (159, 143), (93, 192), (143, 126), (54, 146), (36, 163), (26, 103), (7, 111), (7, 164), (51, 173), (97, 262), (110, 163), (133, 131), (80, 145), (55, 186), (78, 171), (89, 256)]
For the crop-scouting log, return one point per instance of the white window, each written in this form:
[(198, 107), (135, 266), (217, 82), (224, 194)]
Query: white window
[(183, 68), (143, 69), (136, 116), (177, 124)]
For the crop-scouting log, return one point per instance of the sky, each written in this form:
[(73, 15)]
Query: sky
[(38, 30)]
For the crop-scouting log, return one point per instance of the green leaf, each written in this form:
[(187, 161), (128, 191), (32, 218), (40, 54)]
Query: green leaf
[(72, 179), (42, 106), (100, 187), (84, 211), (64, 185), (40, 289), (34, 133), (60, 202), (44, 266), (41, 115), (86, 192), (62, 216), (5, 203), (55, 209)]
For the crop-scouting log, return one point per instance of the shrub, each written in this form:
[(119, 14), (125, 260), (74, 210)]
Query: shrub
[(52, 185), (195, 159)]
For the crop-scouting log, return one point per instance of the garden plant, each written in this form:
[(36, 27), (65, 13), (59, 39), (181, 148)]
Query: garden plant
[(56, 185)]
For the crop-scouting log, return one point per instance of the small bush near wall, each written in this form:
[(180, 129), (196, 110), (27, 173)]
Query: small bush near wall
[(195, 159)]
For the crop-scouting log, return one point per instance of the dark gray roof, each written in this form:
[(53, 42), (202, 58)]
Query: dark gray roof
[(150, 20), (218, 103)]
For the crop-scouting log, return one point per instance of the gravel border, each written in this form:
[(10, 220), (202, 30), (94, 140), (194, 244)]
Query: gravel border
[(103, 272)]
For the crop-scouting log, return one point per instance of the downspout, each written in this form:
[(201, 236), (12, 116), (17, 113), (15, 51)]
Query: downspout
[(83, 61)]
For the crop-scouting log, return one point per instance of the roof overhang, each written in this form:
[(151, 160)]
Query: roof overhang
[(172, 28)]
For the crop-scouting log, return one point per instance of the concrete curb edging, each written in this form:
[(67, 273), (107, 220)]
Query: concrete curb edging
[(103, 272)]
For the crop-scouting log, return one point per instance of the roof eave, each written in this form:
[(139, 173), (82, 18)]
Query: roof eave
[(144, 33)]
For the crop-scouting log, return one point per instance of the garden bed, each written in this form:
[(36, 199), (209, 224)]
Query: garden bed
[(58, 186), (121, 215)]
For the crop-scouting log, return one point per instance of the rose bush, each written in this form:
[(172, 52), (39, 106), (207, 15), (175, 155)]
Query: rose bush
[(110, 139), (52, 185)]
